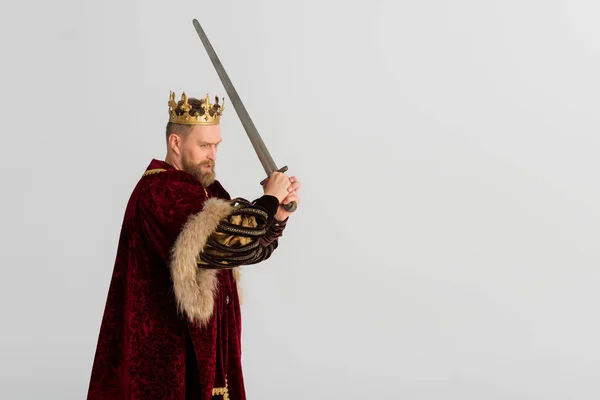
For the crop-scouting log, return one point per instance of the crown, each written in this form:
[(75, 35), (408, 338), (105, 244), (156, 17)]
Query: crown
[(208, 114)]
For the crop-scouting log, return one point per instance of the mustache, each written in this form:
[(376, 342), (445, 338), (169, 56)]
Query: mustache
[(207, 163)]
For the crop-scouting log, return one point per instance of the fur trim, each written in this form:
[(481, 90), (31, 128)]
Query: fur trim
[(194, 287), (237, 276)]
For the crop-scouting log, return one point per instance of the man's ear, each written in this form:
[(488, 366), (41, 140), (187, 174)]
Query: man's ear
[(175, 143)]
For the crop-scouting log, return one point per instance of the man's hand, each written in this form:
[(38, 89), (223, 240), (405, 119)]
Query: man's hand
[(282, 213), (278, 185)]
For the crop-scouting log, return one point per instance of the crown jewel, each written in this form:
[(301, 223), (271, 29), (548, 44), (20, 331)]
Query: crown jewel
[(208, 114)]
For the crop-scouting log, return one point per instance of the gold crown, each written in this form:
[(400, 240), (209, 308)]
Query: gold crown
[(209, 114)]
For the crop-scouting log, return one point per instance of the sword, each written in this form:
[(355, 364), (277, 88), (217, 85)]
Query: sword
[(259, 146)]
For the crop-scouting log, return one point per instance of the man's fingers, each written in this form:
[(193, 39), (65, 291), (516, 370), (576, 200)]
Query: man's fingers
[(294, 187), (290, 198)]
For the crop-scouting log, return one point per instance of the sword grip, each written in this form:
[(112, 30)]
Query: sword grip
[(291, 206)]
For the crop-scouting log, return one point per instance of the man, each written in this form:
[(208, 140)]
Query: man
[(171, 327)]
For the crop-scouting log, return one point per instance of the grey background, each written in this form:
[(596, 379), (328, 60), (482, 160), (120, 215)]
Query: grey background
[(447, 241)]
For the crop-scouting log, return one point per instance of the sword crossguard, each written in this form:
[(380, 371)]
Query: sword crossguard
[(291, 206)]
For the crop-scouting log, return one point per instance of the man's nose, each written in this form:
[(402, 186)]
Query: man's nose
[(212, 153)]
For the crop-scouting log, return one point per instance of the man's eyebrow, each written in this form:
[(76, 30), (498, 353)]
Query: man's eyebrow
[(205, 142)]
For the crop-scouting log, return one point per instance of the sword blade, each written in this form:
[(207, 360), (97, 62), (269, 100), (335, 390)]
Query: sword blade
[(259, 146)]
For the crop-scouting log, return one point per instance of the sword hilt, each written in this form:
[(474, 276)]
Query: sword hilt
[(291, 206)]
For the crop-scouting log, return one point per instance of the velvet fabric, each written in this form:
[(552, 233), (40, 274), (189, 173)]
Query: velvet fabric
[(146, 348)]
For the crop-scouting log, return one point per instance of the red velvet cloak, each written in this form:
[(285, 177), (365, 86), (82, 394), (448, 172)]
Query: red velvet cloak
[(171, 327)]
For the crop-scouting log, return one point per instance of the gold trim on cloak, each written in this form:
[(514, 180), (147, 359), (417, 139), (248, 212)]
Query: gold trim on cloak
[(222, 391)]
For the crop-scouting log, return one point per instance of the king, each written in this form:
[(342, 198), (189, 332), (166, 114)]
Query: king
[(171, 328)]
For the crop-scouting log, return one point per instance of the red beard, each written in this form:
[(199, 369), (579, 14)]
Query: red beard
[(205, 177)]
